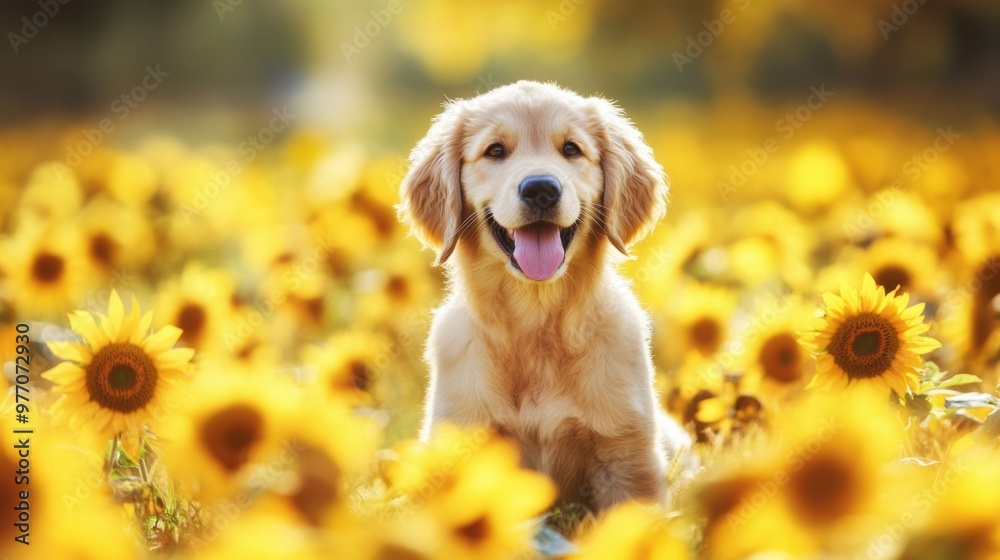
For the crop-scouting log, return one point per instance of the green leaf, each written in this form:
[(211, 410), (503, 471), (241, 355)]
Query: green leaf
[(959, 379)]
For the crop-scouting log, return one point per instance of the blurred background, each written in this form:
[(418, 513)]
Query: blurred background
[(207, 155)]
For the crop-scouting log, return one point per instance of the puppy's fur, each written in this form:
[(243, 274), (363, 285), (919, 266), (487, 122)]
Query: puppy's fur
[(560, 366)]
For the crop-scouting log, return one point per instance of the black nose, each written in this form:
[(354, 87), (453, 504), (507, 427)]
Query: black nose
[(540, 191)]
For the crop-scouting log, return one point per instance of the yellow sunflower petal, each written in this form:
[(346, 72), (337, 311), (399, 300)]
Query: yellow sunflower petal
[(84, 325), (72, 351), (64, 372), (161, 340)]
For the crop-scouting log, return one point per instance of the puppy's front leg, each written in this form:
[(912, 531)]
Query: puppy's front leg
[(629, 466)]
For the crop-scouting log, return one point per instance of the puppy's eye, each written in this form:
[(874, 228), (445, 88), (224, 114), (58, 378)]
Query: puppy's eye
[(495, 151), (571, 150)]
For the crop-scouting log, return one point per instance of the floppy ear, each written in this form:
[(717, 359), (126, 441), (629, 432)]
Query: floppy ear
[(431, 192), (635, 188)]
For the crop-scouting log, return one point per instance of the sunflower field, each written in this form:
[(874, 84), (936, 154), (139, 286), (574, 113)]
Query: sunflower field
[(212, 322)]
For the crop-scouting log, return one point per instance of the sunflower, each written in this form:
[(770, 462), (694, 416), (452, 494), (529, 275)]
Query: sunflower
[(324, 466), (963, 522), (870, 338), (702, 315), (46, 269), (349, 364), (475, 489), (775, 365), (70, 515), (115, 380), (200, 302), (224, 428), (116, 235), (632, 531)]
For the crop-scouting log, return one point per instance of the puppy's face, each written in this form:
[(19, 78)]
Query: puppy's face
[(532, 174), (527, 171)]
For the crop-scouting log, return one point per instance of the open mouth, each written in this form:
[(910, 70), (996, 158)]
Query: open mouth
[(537, 249)]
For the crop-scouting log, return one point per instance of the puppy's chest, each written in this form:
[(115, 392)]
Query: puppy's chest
[(537, 380)]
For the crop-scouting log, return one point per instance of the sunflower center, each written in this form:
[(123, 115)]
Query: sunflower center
[(867, 343), (475, 531), (121, 377), (102, 249), (892, 275), (48, 268), (360, 377), (191, 320), (230, 434), (706, 335), (779, 357), (982, 312), (319, 484), (825, 489), (397, 287), (864, 346)]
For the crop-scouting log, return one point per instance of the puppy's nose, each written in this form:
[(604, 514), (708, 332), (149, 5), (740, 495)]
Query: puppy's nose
[(540, 191)]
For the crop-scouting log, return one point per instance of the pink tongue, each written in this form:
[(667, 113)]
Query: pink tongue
[(538, 250)]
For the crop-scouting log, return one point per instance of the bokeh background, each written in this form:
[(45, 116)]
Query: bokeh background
[(235, 165)]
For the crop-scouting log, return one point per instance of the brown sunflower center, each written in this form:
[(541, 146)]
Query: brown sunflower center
[(780, 358), (891, 276), (102, 249), (319, 485), (48, 268), (360, 376), (982, 311), (231, 433), (191, 320), (825, 489), (397, 287), (475, 531), (121, 377), (864, 346), (706, 335)]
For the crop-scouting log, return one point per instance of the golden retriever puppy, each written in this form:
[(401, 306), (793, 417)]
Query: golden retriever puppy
[(525, 193)]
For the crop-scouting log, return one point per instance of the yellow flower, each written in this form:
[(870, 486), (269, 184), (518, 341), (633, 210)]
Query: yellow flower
[(200, 303), (70, 513), (702, 314), (963, 521), (869, 338), (348, 365), (474, 487), (116, 235), (908, 265), (632, 531), (775, 365), (114, 381), (224, 428), (46, 268)]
